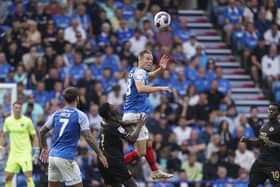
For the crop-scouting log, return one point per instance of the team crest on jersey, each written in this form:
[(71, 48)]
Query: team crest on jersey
[(271, 129), (121, 130), (22, 125)]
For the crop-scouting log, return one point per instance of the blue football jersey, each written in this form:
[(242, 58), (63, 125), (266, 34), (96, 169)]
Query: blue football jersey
[(67, 125), (136, 102)]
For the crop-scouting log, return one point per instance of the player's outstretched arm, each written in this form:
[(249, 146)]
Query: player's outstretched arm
[(252, 141), (162, 66), (90, 140), (142, 88)]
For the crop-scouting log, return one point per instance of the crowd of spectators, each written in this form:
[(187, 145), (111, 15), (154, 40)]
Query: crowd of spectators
[(47, 45), (252, 27)]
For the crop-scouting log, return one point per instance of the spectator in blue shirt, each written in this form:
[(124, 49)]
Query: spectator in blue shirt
[(211, 69), (181, 83), (4, 66), (182, 34), (62, 21), (233, 18), (97, 67), (191, 69), (84, 19), (249, 42), (223, 84), (107, 80), (41, 96), (103, 39), (111, 60), (203, 58), (124, 33), (262, 24), (77, 70), (202, 84), (127, 9)]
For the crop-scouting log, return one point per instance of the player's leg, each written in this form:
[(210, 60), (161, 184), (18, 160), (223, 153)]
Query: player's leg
[(151, 159), (8, 179), (69, 171), (27, 171), (12, 167), (54, 175), (29, 179)]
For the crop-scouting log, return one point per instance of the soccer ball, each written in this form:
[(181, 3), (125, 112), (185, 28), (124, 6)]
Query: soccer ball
[(162, 20)]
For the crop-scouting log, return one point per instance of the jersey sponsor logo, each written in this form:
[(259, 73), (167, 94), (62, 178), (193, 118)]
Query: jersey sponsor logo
[(121, 130), (22, 125)]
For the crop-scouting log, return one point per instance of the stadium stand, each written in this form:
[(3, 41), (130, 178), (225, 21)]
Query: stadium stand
[(219, 95)]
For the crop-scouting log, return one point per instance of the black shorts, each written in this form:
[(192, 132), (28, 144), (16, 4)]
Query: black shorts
[(262, 170), (116, 173)]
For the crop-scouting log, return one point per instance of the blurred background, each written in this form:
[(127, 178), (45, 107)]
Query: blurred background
[(224, 69)]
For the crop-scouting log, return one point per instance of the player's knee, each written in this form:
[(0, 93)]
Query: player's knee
[(9, 177)]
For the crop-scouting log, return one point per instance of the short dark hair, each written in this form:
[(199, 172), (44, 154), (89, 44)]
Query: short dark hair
[(142, 53), (70, 94), (17, 103), (104, 111)]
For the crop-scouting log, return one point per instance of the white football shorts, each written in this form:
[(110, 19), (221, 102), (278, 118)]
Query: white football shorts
[(63, 170), (134, 118)]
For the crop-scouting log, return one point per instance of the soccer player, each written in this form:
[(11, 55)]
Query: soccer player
[(112, 134), (137, 102), (21, 132), (267, 165), (68, 124)]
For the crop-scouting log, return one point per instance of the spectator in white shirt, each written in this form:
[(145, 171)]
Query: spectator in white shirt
[(138, 42), (70, 32), (243, 157), (189, 47), (94, 118), (251, 11), (182, 131), (272, 36), (271, 66), (115, 97)]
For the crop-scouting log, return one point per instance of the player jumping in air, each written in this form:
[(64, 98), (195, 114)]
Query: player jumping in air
[(111, 144), (21, 131), (137, 103), (68, 124), (267, 165)]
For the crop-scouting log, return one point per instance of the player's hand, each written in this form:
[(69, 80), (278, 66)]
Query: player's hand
[(166, 89), (44, 155), (142, 120), (103, 160), (164, 61), (36, 155), (243, 139), (267, 142)]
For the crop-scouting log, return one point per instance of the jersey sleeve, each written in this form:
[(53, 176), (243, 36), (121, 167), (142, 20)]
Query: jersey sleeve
[(139, 75), (120, 131), (31, 128), (83, 121), (50, 122)]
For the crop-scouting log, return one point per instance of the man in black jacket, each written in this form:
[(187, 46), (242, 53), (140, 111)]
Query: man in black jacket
[(112, 134)]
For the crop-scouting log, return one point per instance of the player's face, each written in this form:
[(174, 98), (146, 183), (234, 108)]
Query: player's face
[(17, 109), (272, 111), (147, 62)]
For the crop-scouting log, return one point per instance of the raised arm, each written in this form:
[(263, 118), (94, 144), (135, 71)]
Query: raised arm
[(162, 66)]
